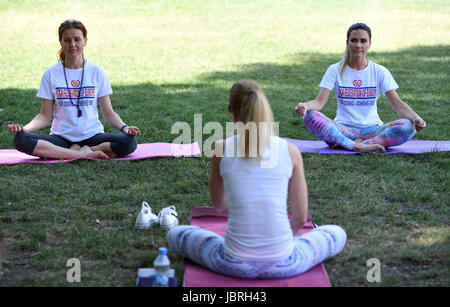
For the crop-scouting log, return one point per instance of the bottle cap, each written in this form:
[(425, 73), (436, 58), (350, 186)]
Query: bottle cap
[(162, 251)]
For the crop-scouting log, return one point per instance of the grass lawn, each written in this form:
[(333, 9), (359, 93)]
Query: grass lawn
[(169, 60)]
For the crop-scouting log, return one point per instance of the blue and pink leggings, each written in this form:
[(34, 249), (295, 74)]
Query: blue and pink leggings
[(206, 248), (390, 134)]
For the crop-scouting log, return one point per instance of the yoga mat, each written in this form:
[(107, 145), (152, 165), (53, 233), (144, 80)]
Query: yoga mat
[(410, 147), (197, 276), (143, 151)]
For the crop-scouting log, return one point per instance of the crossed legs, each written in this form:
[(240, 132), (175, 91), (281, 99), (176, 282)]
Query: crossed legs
[(206, 248), (371, 138), (100, 146)]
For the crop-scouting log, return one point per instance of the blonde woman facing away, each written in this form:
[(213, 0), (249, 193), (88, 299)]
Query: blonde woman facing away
[(260, 241)]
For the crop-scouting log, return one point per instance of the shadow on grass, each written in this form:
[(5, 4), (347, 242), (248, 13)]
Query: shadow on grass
[(421, 72), (88, 209)]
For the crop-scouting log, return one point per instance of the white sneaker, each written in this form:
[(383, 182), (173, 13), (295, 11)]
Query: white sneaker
[(167, 217), (145, 218)]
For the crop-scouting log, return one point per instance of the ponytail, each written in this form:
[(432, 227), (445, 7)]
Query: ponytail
[(61, 55), (251, 106), (344, 62)]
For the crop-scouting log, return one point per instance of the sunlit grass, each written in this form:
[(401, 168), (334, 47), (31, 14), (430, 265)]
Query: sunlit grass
[(169, 60), (165, 41)]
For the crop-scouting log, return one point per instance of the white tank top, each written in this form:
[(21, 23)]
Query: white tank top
[(256, 194)]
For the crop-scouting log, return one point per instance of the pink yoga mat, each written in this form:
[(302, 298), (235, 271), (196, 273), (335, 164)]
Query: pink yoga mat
[(410, 147), (143, 151), (197, 276)]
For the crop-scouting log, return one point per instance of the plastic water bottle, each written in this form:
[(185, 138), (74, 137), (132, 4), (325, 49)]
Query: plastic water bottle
[(161, 265)]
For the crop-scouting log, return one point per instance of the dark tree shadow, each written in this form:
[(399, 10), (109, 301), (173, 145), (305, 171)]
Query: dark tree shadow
[(421, 72)]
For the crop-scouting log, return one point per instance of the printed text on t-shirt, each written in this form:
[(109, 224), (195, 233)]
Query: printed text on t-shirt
[(357, 93), (86, 92)]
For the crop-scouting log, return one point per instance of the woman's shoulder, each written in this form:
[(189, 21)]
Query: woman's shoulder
[(91, 65), (50, 73), (293, 150), (377, 66), (95, 70), (334, 66), (282, 144), (380, 71), (295, 155)]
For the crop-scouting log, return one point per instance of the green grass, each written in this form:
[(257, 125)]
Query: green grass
[(169, 60)]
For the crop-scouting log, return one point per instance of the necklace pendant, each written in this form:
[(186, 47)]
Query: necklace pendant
[(79, 113)]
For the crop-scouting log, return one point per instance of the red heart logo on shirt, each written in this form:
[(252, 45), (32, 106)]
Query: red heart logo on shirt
[(76, 83), (357, 83)]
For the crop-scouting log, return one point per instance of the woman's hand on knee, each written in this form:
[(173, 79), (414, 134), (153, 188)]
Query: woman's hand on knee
[(315, 104), (15, 128), (132, 131), (302, 108), (419, 123)]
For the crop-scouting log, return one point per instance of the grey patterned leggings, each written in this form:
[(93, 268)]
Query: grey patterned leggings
[(206, 248)]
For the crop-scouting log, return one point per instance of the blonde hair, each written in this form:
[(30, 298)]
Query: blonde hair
[(344, 62), (346, 57), (249, 104)]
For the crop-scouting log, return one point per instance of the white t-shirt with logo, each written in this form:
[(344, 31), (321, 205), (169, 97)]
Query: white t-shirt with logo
[(66, 122), (357, 92)]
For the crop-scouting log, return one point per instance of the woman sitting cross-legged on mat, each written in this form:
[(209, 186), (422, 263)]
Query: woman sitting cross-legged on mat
[(71, 90), (252, 175), (357, 83)]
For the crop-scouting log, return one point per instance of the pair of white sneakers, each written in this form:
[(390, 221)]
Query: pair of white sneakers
[(167, 218)]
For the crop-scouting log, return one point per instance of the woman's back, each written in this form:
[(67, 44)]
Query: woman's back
[(256, 195), (254, 186)]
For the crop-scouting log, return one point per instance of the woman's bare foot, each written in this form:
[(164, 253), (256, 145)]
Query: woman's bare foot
[(89, 153), (360, 146), (105, 148), (75, 147)]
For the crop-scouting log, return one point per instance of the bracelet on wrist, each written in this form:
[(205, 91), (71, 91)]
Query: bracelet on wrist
[(123, 127)]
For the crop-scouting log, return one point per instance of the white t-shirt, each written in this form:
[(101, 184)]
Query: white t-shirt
[(258, 225), (66, 122), (357, 92)]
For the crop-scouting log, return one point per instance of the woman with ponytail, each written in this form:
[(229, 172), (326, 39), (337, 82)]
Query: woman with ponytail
[(254, 180), (70, 91), (358, 82)]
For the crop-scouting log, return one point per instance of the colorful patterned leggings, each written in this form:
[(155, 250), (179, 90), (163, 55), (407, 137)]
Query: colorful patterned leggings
[(206, 248), (391, 134)]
